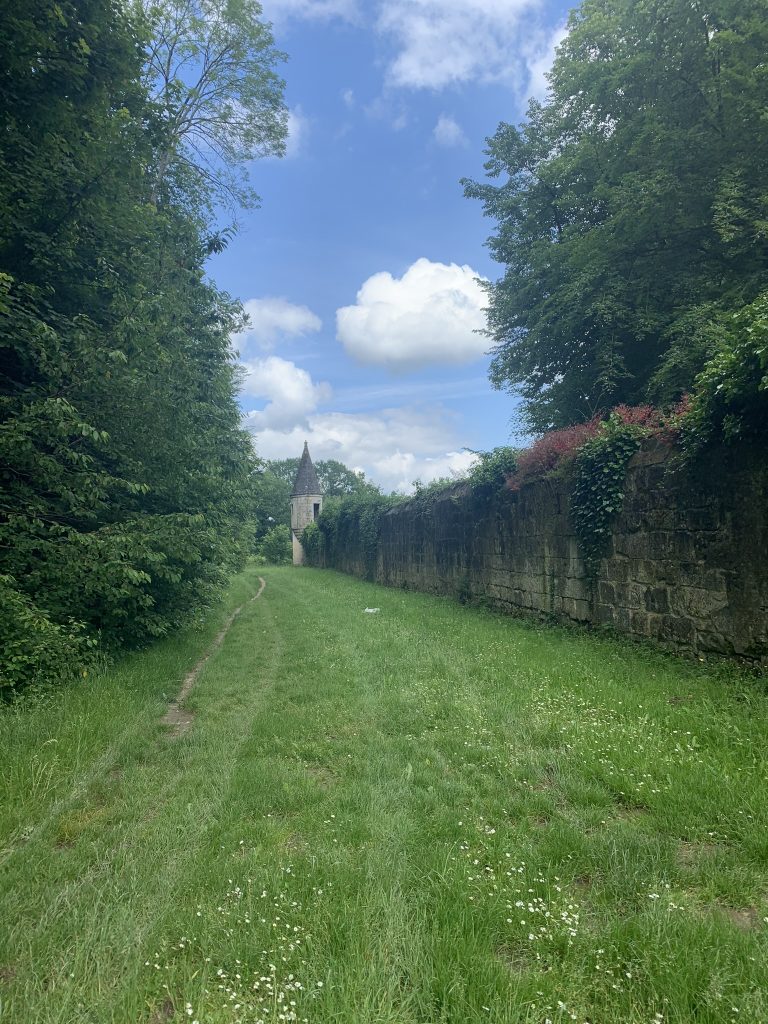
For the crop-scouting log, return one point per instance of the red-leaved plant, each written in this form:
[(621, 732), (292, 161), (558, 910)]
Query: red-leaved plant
[(551, 450), (639, 416), (557, 447)]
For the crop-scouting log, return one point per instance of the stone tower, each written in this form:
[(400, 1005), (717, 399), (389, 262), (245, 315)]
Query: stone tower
[(306, 503)]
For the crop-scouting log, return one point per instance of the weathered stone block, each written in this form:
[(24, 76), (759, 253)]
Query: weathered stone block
[(605, 615), (606, 593), (696, 602), (640, 623), (656, 599), (575, 609)]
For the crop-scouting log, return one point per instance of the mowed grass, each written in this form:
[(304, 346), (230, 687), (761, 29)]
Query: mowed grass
[(425, 814)]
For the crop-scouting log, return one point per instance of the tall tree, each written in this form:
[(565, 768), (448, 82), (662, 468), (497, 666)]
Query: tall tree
[(126, 481), (633, 208), (211, 69)]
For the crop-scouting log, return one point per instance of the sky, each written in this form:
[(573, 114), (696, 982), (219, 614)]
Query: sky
[(360, 269)]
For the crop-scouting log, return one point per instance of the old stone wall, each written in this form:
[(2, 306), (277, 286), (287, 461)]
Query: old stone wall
[(687, 563)]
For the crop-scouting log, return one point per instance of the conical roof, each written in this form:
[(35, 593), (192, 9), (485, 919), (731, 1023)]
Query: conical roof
[(306, 481)]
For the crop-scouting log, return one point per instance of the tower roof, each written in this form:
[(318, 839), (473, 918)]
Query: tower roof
[(306, 481)]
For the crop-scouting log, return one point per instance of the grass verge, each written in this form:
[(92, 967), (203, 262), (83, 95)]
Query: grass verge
[(426, 815)]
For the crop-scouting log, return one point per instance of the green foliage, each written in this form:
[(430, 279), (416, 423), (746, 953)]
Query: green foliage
[(126, 481), (35, 648), (492, 470), (425, 495), (312, 542), (353, 524), (272, 498), (632, 207), (276, 546), (210, 67), (335, 478), (729, 401), (598, 490)]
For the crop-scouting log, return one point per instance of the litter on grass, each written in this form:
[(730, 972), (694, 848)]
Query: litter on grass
[(371, 610)]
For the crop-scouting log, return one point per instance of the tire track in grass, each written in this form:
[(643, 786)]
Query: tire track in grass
[(177, 717), (53, 999), (109, 759)]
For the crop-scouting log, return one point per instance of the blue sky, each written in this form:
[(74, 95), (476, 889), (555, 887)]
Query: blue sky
[(359, 269)]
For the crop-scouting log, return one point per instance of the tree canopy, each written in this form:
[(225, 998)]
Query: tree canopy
[(335, 478), (211, 70), (632, 213), (126, 479)]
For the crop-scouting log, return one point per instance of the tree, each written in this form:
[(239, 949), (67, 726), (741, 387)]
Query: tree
[(126, 480), (272, 502), (632, 215), (335, 478), (211, 69), (276, 546)]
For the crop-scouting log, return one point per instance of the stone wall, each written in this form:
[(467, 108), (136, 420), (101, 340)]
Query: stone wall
[(687, 563)]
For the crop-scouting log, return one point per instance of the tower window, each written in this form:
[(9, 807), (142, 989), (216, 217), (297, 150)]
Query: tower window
[(316, 510)]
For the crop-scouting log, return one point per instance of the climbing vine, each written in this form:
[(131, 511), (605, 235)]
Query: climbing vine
[(312, 542), (598, 492), (349, 524)]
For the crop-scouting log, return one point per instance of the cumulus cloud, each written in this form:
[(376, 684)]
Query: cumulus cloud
[(393, 447), (298, 130), (448, 132), (443, 42), (290, 392), (540, 60), (272, 318), (429, 315)]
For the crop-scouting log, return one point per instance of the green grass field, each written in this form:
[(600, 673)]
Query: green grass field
[(428, 814)]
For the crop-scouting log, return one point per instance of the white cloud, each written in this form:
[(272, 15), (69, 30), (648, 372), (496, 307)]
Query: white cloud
[(540, 61), (442, 42), (298, 130), (348, 97), (273, 317), (429, 315), (290, 392), (386, 108), (393, 447), (448, 132)]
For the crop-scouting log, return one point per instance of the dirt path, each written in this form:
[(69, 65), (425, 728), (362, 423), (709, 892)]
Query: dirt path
[(177, 717)]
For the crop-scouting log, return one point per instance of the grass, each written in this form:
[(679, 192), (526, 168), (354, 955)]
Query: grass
[(427, 814)]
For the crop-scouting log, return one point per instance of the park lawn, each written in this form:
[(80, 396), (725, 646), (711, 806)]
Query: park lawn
[(425, 814)]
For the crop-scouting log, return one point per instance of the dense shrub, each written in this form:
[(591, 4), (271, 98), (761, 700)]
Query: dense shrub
[(550, 450), (354, 523), (492, 469), (312, 542), (729, 402), (276, 546), (126, 479), (35, 648)]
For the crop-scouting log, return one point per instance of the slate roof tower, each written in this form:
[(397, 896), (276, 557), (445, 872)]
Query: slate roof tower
[(306, 502)]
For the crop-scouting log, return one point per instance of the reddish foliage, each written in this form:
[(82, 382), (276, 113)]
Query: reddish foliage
[(550, 450), (560, 446), (639, 416)]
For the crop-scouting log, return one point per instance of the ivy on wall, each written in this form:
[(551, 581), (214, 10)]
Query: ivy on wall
[(598, 491)]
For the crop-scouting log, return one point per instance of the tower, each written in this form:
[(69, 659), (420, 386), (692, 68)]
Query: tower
[(306, 502)]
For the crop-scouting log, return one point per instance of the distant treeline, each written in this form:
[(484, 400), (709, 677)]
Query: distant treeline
[(127, 481)]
